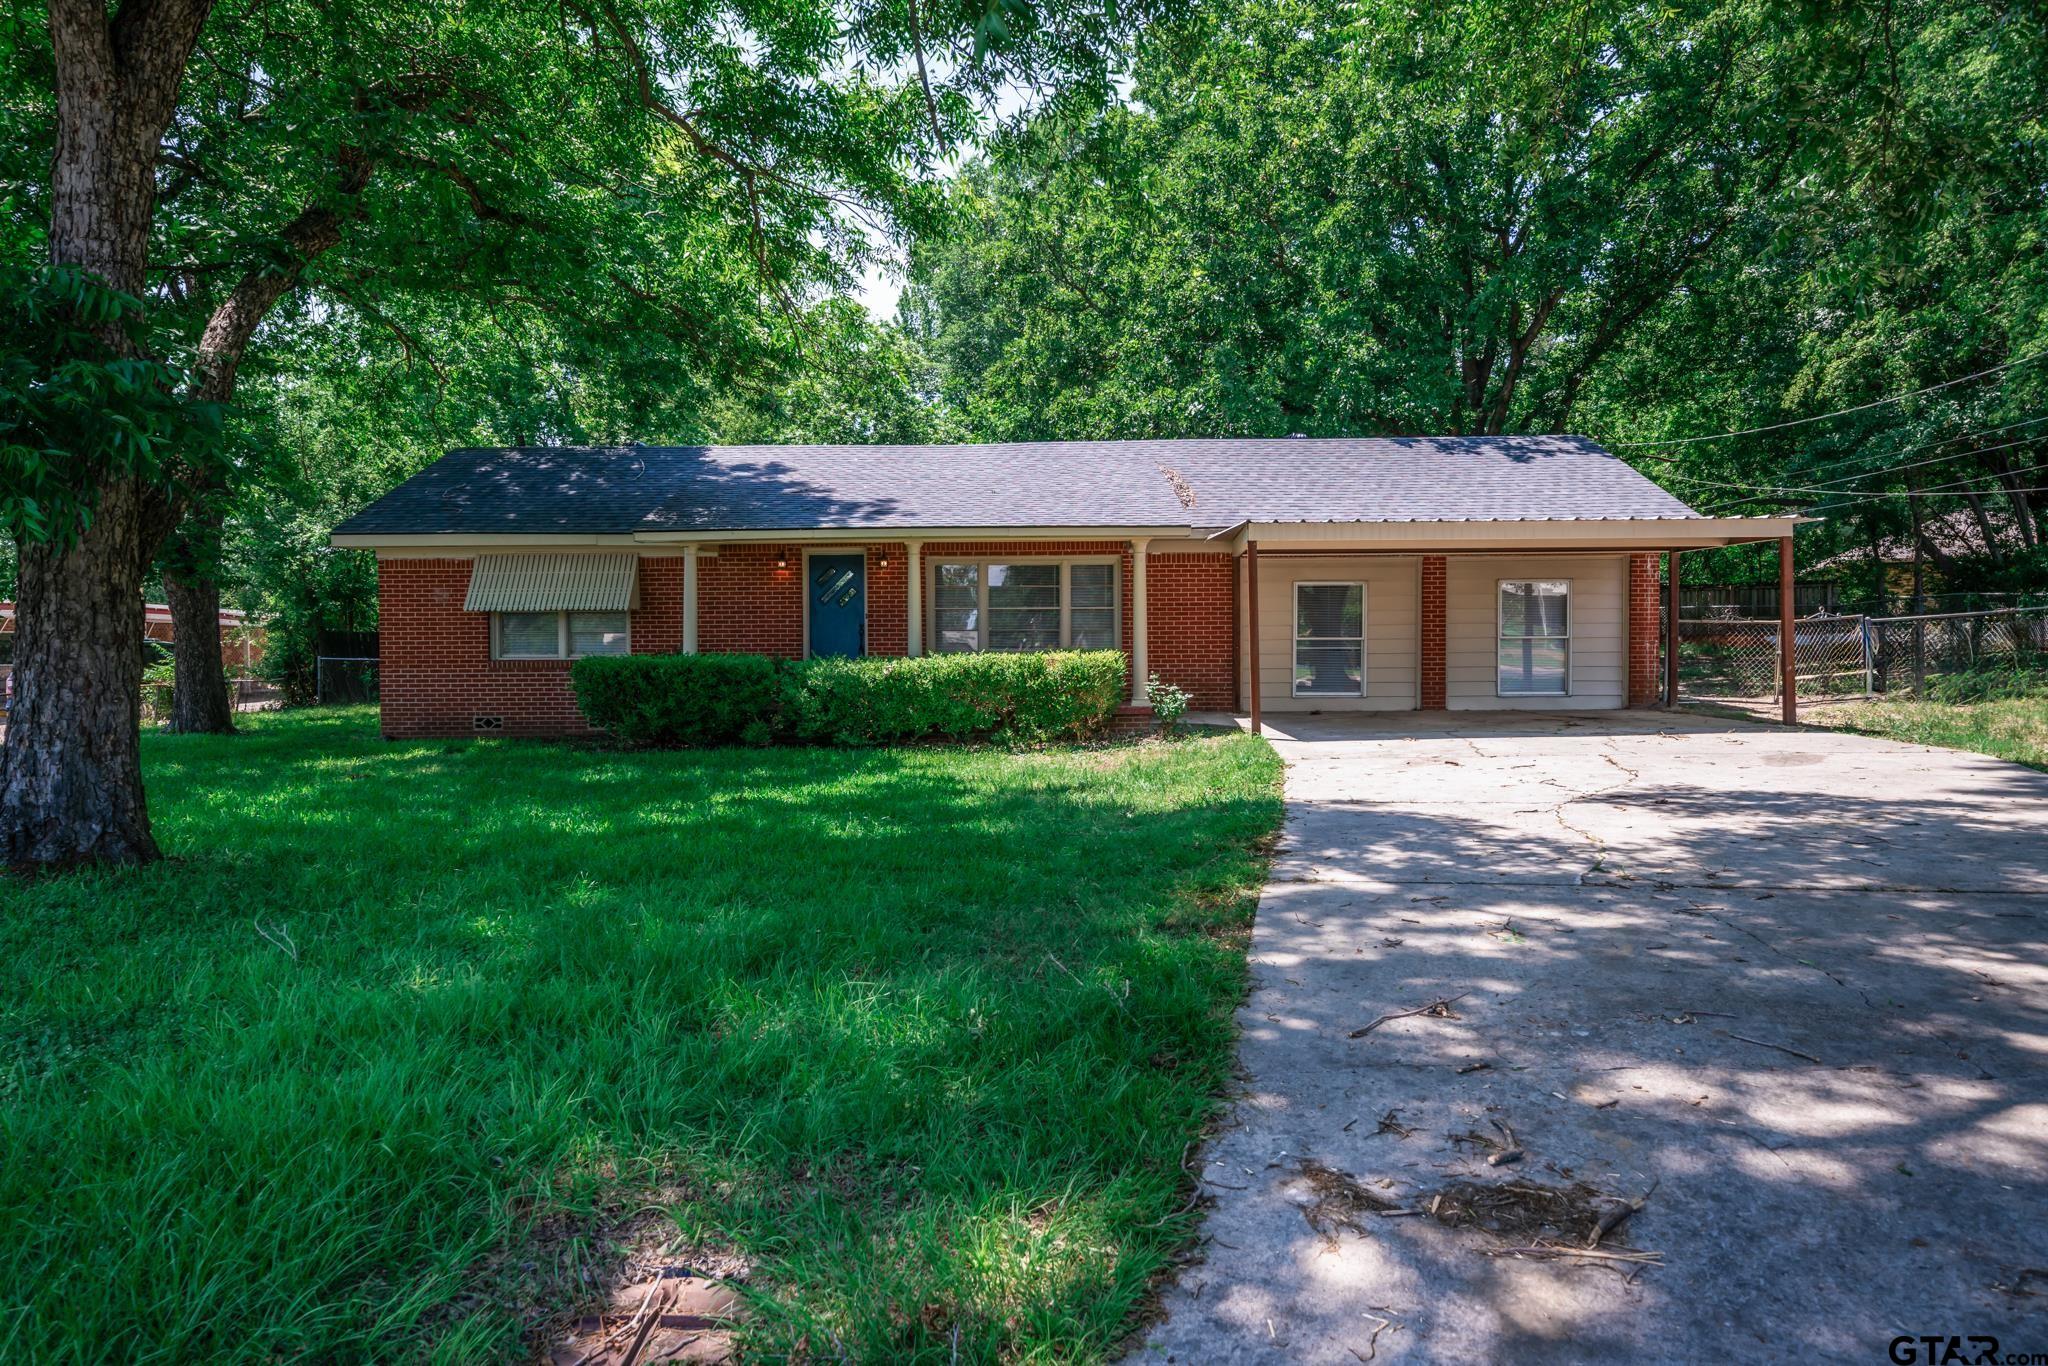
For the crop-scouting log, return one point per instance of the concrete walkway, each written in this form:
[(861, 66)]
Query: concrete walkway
[(1790, 985)]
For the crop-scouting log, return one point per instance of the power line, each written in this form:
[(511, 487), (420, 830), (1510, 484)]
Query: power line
[(1826, 486), (1917, 493), (1839, 412), (1954, 483), (1849, 499), (1835, 461)]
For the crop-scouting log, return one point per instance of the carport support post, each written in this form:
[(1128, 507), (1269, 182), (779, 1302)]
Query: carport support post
[(1788, 689), (1671, 628), (689, 599), (1251, 613), (1141, 626), (913, 565)]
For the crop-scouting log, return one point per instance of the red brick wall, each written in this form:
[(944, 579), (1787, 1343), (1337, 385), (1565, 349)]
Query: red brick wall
[(436, 674), (888, 597), (1188, 611), (745, 605), (1435, 603), (1645, 685)]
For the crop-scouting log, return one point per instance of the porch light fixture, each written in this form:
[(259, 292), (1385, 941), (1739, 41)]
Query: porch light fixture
[(885, 559), (782, 559)]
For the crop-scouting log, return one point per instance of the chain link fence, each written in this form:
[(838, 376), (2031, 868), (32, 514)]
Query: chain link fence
[(1854, 656), (1907, 651)]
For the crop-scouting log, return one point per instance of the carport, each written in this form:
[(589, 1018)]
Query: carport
[(1502, 613)]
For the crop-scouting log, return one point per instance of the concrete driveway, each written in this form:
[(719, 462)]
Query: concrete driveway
[(1792, 986)]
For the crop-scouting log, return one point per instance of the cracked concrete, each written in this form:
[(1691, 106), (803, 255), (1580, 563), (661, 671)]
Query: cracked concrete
[(1653, 917)]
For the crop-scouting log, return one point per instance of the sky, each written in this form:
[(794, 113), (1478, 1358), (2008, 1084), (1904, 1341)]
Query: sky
[(878, 288)]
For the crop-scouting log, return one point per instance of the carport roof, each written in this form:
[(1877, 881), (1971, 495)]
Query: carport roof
[(1154, 487)]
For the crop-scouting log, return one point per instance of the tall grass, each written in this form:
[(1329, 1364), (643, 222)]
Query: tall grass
[(2000, 710), (365, 1068)]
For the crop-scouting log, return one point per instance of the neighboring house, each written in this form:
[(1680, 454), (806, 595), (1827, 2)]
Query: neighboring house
[(241, 644), (1276, 575), (1958, 534)]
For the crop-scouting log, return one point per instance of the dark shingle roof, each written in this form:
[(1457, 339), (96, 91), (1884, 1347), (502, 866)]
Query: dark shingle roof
[(619, 489)]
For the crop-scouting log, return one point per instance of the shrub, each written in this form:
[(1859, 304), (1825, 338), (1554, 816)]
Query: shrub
[(1040, 696), (1169, 701), (662, 701), (723, 699), (159, 682)]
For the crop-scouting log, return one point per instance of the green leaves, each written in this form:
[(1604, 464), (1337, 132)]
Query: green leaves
[(80, 403), (1327, 219)]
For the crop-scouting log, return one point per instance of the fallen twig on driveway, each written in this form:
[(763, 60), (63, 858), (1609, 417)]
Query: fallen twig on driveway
[(1440, 1008), (1509, 1152), (1547, 1251), (1766, 1043), (1621, 1212)]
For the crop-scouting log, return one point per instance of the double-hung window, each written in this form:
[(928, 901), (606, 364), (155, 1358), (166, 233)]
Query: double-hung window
[(1535, 654), (1024, 605), (1329, 640), (557, 635)]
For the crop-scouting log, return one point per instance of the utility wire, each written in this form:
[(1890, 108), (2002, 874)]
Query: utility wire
[(1839, 412), (1832, 462), (1917, 493), (1849, 498), (1885, 469), (1826, 487)]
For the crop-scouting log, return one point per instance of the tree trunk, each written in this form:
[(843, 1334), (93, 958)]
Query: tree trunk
[(199, 699), (190, 578), (71, 770), (71, 767)]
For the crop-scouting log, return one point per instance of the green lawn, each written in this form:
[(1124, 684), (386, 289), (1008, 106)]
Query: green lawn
[(2005, 727), (364, 1068)]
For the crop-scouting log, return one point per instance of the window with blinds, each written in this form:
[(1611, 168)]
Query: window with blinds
[(1535, 647), (1329, 640), (1024, 605), (558, 635)]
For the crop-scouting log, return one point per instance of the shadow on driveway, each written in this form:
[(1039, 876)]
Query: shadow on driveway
[(1654, 926)]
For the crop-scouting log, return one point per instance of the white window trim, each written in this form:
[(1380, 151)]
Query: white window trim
[(1571, 616), (930, 571), (1294, 615), (561, 634)]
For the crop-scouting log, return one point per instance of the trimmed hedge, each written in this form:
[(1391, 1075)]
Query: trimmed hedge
[(694, 700), (666, 700)]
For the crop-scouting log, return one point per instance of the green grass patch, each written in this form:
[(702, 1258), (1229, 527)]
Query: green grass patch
[(364, 1069), (2012, 727)]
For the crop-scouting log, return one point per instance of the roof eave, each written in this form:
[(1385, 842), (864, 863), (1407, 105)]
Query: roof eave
[(469, 541), (1589, 533)]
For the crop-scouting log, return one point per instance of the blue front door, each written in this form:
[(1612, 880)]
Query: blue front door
[(838, 605)]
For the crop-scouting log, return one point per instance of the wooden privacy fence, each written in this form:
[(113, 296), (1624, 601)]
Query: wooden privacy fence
[(1853, 656)]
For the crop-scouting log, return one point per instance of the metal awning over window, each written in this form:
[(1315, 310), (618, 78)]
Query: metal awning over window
[(553, 583)]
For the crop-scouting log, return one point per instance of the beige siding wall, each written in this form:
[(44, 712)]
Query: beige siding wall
[(1599, 627), (1392, 589)]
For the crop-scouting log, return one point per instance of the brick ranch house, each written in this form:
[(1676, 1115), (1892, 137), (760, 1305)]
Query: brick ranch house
[(1342, 574)]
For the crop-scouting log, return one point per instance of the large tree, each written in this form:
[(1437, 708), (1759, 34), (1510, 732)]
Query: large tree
[(1333, 217), (70, 783), (1911, 262), (1646, 223), (664, 166)]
